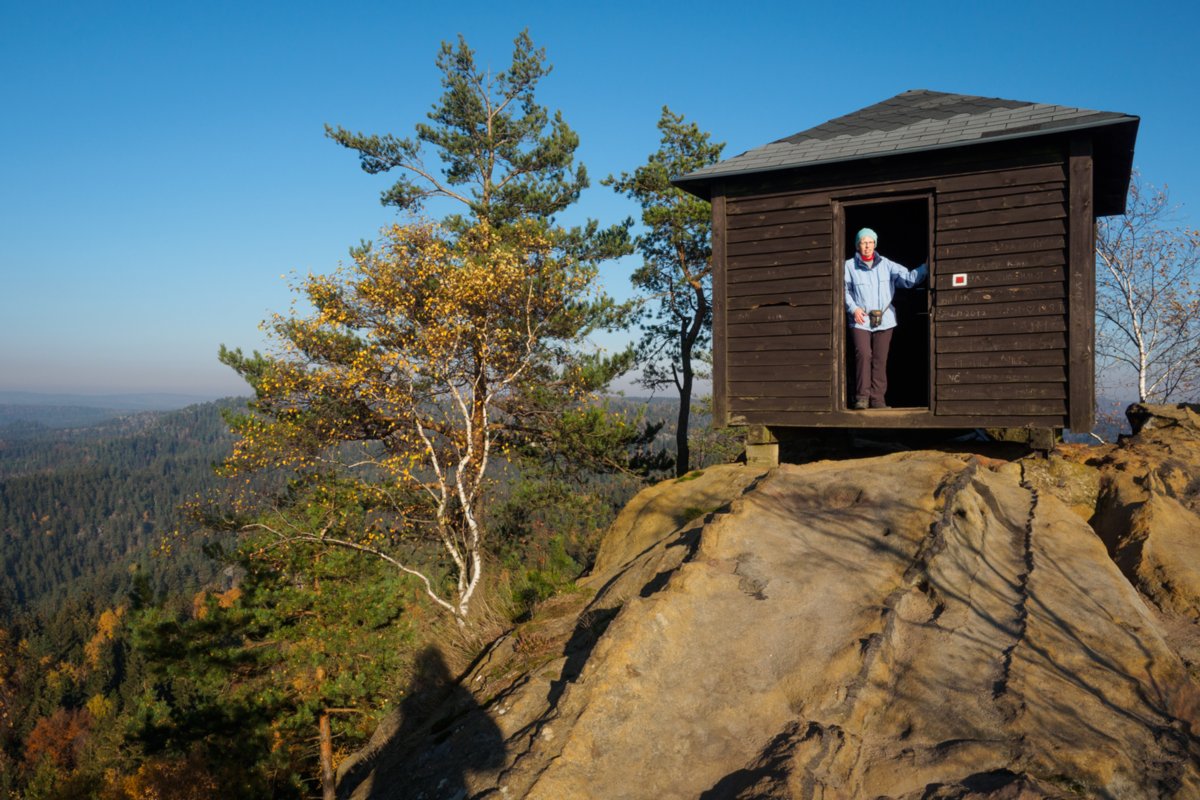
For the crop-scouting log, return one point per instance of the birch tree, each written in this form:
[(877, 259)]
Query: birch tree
[(1148, 299), (388, 403)]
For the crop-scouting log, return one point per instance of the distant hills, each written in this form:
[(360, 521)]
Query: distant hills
[(24, 413), (128, 401)]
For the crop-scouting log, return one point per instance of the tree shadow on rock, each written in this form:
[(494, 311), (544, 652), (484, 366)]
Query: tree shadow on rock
[(609, 601), (430, 745)]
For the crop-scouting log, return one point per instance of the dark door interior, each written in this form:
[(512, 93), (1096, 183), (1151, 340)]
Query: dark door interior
[(903, 230)]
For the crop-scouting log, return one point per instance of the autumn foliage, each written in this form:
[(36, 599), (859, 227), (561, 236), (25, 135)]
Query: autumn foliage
[(420, 360), (59, 738)]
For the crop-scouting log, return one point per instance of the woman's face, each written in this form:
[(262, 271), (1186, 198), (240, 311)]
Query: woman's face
[(866, 247)]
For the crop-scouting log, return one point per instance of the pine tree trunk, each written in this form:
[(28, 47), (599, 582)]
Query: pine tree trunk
[(328, 788), (683, 451), (689, 333)]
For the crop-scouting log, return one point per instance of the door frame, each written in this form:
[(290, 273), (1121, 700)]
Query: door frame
[(839, 203)]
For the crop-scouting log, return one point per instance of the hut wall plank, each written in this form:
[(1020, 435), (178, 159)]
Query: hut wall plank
[(779, 305), (819, 341), (999, 310), (760, 246), (816, 297), (1022, 391), (780, 373), (1002, 232), (1005, 408), (782, 231), (817, 213), (1003, 343), (1001, 294), (782, 312), (819, 256), (1000, 216), (1009, 374), (994, 192), (1005, 269), (998, 177), (999, 280), (754, 390), (1000, 247), (788, 328), (782, 201), (780, 359), (738, 274), (776, 288), (993, 327), (985, 201), (744, 404), (1000, 340), (1003, 358)]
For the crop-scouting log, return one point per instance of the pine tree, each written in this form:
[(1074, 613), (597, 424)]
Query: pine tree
[(443, 346), (676, 274)]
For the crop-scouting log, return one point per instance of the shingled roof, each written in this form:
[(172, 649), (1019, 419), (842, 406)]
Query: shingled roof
[(914, 121)]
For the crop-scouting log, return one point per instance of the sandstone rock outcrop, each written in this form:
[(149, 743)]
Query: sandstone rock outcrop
[(919, 625), (1148, 511)]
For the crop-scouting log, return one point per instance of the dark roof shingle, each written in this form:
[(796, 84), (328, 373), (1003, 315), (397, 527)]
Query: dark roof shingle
[(912, 121)]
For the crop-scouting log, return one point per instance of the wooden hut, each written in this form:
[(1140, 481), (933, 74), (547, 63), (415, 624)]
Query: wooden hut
[(999, 197)]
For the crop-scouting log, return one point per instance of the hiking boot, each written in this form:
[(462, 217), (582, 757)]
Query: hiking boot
[(861, 404)]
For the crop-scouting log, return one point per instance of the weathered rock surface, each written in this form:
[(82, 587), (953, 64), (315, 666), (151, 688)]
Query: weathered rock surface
[(919, 625), (663, 508), (1148, 513)]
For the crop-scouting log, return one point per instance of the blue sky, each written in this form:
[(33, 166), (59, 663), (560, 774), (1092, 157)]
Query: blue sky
[(163, 164)]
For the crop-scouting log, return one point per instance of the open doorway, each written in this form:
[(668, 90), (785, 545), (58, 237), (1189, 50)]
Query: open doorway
[(903, 230)]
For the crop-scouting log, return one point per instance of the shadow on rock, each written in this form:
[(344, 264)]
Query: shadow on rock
[(455, 735)]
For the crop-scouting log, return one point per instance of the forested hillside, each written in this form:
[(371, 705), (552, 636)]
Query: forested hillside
[(80, 506), (126, 669)]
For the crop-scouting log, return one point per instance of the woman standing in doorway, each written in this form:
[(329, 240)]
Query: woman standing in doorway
[(871, 281)]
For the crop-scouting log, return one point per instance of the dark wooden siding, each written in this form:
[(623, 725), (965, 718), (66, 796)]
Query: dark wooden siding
[(1001, 346), (778, 319)]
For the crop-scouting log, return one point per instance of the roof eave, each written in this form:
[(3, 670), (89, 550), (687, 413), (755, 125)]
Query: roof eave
[(701, 185)]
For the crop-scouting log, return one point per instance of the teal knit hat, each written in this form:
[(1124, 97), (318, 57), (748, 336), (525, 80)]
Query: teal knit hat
[(867, 232)]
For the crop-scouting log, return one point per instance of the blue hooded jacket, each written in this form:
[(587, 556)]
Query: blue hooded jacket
[(874, 286)]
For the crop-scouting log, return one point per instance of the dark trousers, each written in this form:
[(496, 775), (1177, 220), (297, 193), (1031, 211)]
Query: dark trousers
[(870, 364)]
